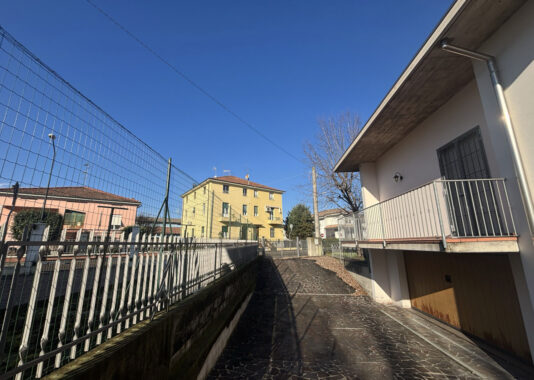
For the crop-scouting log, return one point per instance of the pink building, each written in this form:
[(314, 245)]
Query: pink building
[(81, 207)]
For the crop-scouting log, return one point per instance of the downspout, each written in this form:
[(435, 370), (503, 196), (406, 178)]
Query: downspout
[(509, 128)]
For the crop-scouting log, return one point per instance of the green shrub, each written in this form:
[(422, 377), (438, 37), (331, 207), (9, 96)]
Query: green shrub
[(29, 217)]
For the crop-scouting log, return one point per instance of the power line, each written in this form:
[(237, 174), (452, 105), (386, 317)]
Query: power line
[(192, 82)]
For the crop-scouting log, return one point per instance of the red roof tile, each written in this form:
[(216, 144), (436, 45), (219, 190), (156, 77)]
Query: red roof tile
[(81, 192), (242, 181), (333, 211)]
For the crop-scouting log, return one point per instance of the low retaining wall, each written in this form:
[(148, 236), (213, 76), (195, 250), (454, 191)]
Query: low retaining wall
[(176, 343)]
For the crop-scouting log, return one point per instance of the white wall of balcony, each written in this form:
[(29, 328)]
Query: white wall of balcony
[(415, 157), (513, 47)]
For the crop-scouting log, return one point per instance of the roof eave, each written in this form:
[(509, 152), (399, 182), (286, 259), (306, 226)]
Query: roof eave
[(429, 81)]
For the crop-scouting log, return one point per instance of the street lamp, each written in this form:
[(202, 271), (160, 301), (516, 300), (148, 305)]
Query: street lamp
[(52, 137)]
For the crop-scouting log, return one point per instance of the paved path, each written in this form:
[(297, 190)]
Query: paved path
[(303, 322)]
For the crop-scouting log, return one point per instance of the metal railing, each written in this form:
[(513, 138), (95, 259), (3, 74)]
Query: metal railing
[(441, 209), (60, 307)]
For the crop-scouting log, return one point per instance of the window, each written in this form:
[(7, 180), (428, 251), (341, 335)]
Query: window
[(255, 193), (225, 209), (224, 231), (271, 196), (272, 232), (244, 192), (203, 209), (244, 210), (193, 212), (226, 189), (195, 195), (255, 210), (116, 222), (73, 218), (204, 189), (202, 232)]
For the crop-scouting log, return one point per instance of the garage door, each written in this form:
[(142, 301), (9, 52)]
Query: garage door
[(473, 292)]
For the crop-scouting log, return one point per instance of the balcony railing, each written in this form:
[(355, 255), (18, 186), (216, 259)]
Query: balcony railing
[(441, 209)]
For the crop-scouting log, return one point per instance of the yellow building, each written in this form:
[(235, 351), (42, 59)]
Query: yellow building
[(232, 208)]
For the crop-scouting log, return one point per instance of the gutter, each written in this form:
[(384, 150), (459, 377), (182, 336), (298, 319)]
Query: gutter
[(508, 125)]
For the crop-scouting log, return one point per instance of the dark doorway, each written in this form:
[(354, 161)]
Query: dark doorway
[(463, 161)]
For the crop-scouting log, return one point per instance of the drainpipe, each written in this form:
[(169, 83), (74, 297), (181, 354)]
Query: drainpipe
[(509, 128)]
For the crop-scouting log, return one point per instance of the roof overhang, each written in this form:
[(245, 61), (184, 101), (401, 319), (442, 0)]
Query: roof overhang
[(429, 81)]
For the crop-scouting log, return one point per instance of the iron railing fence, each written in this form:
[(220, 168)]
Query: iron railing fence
[(441, 209), (65, 304), (285, 248)]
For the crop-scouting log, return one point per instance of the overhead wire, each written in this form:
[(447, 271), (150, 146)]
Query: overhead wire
[(192, 82)]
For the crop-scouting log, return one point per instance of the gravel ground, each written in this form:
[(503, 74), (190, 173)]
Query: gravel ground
[(337, 267)]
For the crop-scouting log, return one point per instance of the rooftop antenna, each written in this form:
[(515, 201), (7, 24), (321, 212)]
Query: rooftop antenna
[(227, 171), (215, 172)]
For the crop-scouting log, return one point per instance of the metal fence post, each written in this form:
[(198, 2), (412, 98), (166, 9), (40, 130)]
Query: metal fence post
[(298, 247), (382, 225), (440, 218)]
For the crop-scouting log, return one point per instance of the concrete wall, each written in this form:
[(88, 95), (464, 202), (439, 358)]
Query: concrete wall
[(175, 344), (462, 113), (389, 285), (513, 47)]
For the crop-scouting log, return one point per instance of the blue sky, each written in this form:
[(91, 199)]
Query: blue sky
[(278, 64)]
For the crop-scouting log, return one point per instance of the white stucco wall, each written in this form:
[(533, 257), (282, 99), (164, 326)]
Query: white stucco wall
[(415, 157), (513, 47), (327, 221)]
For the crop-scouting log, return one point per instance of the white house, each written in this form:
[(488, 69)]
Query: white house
[(447, 172), (328, 222)]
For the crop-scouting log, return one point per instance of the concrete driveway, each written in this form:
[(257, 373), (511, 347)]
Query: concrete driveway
[(304, 322)]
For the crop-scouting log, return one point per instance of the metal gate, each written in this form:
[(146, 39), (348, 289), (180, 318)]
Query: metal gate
[(285, 248)]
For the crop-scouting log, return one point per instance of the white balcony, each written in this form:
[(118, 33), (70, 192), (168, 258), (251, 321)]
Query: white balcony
[(472, 215)]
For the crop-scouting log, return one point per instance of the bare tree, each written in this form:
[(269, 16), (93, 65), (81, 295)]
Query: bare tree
[(333, 138)]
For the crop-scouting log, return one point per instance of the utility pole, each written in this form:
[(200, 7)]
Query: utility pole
[(315, 205)]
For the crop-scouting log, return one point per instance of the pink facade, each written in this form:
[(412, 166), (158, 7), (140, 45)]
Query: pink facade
[(81, 207)]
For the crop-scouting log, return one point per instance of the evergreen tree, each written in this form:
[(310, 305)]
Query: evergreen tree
[(302, 220)]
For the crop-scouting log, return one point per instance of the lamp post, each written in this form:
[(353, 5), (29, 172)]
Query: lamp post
[(52, 137)]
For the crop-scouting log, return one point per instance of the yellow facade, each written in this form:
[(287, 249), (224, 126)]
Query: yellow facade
[(220, 208)]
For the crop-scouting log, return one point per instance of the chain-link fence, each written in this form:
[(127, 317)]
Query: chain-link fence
[(90, 223)]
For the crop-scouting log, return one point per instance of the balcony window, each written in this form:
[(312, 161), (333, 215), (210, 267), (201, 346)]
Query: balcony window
[(226, 189), (116, 222), (73, 218), (225, 209), (224, 231), (255, 210), (271, 232), (244, 210), (244, 192)]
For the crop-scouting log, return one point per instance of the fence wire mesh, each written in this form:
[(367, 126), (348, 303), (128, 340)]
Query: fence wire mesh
[(92, 150), (83, 252)]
